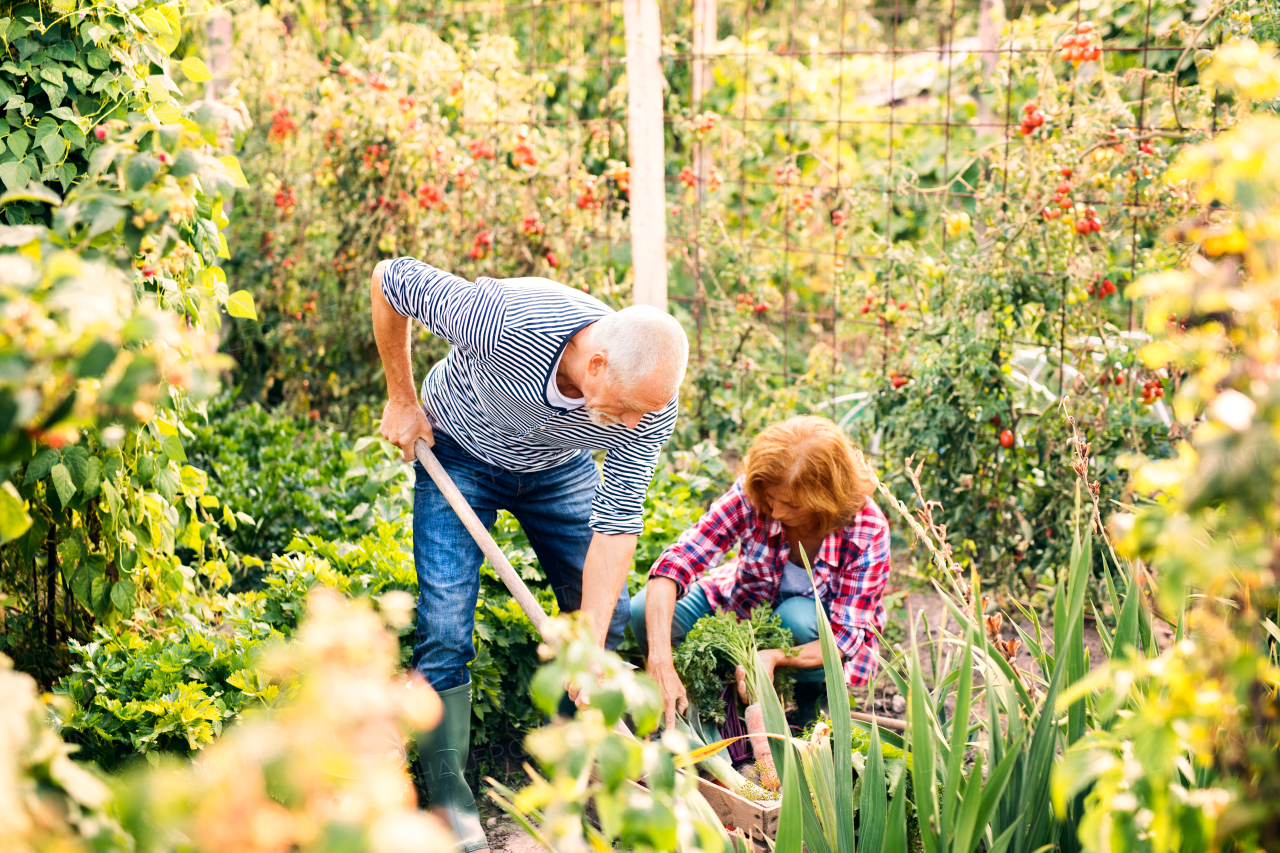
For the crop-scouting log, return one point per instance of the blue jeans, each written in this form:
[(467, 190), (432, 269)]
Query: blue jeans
[(797, 612), (553, 508)]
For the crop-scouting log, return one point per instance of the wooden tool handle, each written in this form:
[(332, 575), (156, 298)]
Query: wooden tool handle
[(478, 532)]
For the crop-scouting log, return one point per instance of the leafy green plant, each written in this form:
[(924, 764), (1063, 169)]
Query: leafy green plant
[(115, 184), (717, 645), (337, 741), (293, 476), (593, 761)]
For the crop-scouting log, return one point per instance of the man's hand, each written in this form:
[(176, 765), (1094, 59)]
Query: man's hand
[(674, 698), (403, 423)]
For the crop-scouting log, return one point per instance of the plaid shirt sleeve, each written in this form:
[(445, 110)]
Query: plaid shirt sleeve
[(859, 588), (700, 547)]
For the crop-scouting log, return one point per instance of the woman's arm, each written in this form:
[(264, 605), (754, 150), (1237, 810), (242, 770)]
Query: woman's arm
[(659, 610), (700, 547)]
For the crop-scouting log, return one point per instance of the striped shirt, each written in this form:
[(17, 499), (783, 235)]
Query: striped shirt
[(489, 393), (850, 570)]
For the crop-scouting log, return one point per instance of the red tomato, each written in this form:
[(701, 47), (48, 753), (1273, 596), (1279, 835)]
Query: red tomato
[(1006, 439)]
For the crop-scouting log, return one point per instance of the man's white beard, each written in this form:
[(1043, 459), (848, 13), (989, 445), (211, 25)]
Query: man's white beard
[(602, 419)]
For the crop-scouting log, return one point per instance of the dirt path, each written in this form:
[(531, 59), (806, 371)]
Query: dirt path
[(505, 835)]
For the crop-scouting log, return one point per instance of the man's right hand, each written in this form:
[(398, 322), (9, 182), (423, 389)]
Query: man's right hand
[(403, 423), (674, 698)]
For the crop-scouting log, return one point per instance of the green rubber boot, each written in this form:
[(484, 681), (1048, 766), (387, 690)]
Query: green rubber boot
[(442, 754)]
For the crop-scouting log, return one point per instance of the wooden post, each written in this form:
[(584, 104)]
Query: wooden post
[(219, 34), (645, 137), (704, 41)]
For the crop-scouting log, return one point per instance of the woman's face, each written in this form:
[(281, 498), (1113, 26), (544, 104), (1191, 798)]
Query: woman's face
[(784, 507)]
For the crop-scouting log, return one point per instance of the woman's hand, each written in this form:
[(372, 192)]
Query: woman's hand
[(769, 660), (674, 698)]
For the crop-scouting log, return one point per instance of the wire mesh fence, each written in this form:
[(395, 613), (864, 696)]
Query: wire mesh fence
[(825, 157)]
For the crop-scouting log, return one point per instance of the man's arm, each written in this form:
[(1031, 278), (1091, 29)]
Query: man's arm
[(403, 421)]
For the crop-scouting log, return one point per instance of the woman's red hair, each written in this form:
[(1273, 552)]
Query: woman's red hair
[(815, 460)]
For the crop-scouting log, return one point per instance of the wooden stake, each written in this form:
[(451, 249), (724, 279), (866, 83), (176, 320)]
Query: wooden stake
[(645, 138)]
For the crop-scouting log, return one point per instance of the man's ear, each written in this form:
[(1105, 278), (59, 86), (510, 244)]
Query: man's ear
[(597, 364)]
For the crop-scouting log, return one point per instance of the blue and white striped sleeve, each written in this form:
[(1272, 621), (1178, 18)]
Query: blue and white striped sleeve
[(618, 505), (467, 314)]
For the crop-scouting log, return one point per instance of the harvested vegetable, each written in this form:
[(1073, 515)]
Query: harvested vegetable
[(717, 645), (717, 765)]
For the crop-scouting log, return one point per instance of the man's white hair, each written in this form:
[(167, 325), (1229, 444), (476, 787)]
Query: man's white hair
[(645, 348)]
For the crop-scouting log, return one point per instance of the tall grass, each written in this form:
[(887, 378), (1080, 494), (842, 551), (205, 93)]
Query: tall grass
[(981, 743)]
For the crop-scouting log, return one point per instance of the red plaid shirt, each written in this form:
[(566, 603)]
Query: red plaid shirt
[(850, 569)]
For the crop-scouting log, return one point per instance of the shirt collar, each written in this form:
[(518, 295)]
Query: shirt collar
[(828, 552)]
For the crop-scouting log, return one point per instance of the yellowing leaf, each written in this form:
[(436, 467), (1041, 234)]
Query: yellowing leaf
[(240, 304), (195, 69), (14, 520), (232, 165), (167, 113)]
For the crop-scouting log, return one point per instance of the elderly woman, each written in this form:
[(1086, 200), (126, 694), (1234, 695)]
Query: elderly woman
[(803, 486)]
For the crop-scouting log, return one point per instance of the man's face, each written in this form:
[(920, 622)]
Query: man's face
[(609, 404)]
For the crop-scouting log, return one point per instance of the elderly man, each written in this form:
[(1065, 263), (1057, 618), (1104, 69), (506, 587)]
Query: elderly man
[(538, 376)]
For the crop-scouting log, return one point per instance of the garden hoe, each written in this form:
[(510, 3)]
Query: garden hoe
[(507, 573)]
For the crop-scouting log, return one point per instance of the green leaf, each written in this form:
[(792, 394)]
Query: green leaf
[(122, 593), (46, 128), (195, 69), (14, 520), (841, 730), (99, 596), (64, 51), (923, 766), (73, 134), (172, 448), (54, 148), (240, 304), (92, 478), (105, 220), (18, 143), (99, 59), (873, 815), (895, 836), (140, 169), (94, 363), (791, 815), (54, 92), (15, 174), (83, 574), (76, 458), (31, 192), (166, 482), (186, 163), (62, 483), (41, 465), (113, 498)]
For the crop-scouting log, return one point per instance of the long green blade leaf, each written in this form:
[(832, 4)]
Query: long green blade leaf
[(923, 767), (791, 816), (959, 738), (895, 836), (841, 731), (875, 798)]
